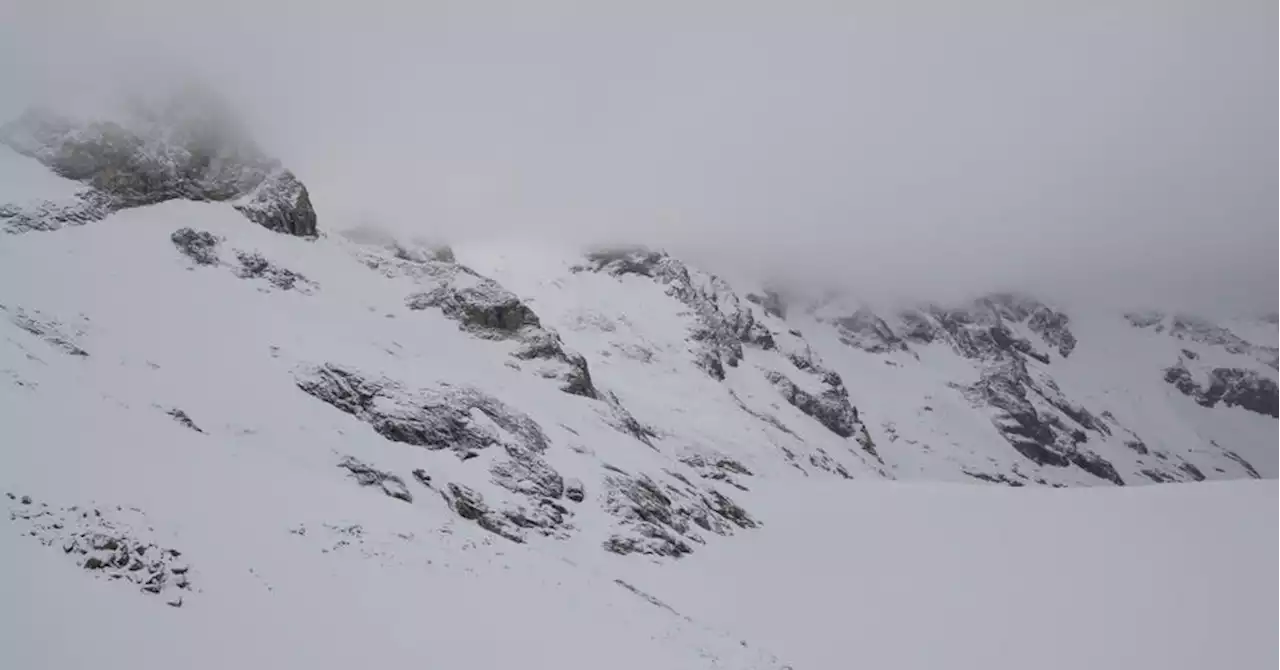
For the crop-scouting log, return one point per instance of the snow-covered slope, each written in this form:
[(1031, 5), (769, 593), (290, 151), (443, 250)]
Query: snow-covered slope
[(337, 448)]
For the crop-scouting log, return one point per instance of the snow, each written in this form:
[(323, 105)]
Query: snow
[(294, 564), (26, 183), (929, 576)]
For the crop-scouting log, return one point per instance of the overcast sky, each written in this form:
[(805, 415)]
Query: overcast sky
[(1122, 150)]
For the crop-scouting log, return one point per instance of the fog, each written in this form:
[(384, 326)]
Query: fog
[(1120, 152)]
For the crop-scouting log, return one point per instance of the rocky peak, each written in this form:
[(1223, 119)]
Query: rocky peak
[(187, 147)]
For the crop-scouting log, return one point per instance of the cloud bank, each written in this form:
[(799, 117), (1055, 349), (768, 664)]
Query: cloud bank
[(1120, 151)]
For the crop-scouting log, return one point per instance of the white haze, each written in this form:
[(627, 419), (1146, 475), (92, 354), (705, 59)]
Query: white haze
[(1090, 151)]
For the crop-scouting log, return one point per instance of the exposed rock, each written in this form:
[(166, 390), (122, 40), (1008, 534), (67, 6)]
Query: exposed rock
[(1041, 433), (1196, 329), (1233, 387), (448, 417), (918, 327), (188, 147), (723, 322), (1049, 324), (868, 332), (465, 421), (254, 266), (1248, 468), (526, 472), (422, 477), (107, 546), (44, 327), (995, 478), (1246, 389), (831, 407), (663, 519), (182, 418), (367, 475), (280, 202), (199, 246), (715, 466), (470, 505), (574, 490), (484, 308)]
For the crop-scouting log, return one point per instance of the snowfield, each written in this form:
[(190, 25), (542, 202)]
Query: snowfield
[(222, 446)]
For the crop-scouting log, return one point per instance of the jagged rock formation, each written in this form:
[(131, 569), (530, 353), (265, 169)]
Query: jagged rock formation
[(662, 519), (480, 305), (188, 148), (723, 322), (1233, 387)]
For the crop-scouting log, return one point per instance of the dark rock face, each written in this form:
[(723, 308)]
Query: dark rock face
[(663, 519), (868, 332), (435, 419), (446, 418), (1233, 387), (199, 246), (1038, 421), (280, 203), (367, 475), (831, 407), (484, 308), (723, 322), (190, 149), (1049, 324)]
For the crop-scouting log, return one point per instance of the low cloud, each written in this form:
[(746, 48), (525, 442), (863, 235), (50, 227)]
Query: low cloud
[(1121, 154)]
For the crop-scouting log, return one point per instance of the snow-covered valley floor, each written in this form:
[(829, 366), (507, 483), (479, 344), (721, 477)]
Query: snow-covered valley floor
[(878, 575)]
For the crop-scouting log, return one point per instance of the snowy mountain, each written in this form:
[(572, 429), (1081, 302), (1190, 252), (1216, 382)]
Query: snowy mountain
[(317, 441)]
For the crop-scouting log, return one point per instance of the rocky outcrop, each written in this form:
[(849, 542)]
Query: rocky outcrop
[(254, 266), (48, 329), (1233, 387), (204, 249), (830, 408), (1038, 421), (462, 420), (367, 475), (200, 246), (187, 148), (722, 321), (482, 307), (102, 542), (1052, 326), (868, 332), (1202, 331), (440, 418), (663, 519)]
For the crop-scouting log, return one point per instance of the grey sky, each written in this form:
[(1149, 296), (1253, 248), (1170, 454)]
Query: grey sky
[(1120, 150)]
